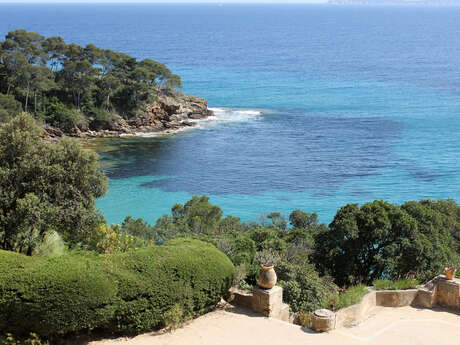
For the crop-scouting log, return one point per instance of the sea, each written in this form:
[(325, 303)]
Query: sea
[(316, 106)]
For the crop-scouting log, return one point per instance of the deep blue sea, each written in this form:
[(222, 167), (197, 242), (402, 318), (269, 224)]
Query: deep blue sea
[(317, 106)]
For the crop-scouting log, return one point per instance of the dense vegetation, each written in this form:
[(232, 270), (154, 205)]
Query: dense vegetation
[(45, 187), (69, 86), (362, 244), (47, 193), (124, 293), (382, 240)]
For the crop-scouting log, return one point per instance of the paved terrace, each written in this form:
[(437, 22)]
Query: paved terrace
[(384, 326)]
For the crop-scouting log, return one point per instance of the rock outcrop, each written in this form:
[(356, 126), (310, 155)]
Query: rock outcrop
[(169, 112)]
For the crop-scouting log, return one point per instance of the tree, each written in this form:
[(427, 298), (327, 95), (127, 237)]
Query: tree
[(434, 246), (303, 220), (55, 47), (278, 220), (201, 216), (99, 84), (383, 240), (78, 72), (451, 210), (41, 80), (29, 44), (45, 186)]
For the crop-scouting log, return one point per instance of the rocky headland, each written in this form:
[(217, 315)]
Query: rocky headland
[(170, 112)]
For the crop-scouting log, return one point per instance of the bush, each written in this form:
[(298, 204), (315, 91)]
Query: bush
[(122, 293), (303, 288), (59, 115), (9, 107), (32, 339), (403, 284), (107, 239), (305, 319), (351, 296), (52, 244)]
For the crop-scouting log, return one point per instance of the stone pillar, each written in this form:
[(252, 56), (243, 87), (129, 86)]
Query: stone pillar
[(269, 302), (448, 293), (323, 320)]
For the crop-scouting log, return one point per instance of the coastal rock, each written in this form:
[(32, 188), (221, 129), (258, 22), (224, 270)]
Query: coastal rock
[(170, 111), (52, 133)]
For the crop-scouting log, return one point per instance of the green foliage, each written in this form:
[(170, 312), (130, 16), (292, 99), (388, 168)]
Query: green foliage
[(86, 81), (303, 220), (267, 257), (239, 276), (278, 220), (138, 228), (45, 186), (174, 317), (402, 284), (107, 239), (305, 319), (59, 115), (32, 339), (198, 215), (9, 107), (122, 293), (352, 295), (51, 245), (451, 211), (54, 295), (303, 288), (383, 240), (434, 246)]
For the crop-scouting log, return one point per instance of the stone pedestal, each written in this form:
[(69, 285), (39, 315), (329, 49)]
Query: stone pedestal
[(448, 293), (269, 302), (323, 320), (425, 298)]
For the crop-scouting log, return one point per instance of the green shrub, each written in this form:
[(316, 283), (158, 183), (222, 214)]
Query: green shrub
[(121, 293), (305, 319), (59, 115), (402, 284), (9, 107), (32, 339), (303, 288), (352, 295), (174, 317), (51, 245)]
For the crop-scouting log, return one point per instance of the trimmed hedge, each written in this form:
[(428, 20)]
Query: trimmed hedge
[(123, 293)]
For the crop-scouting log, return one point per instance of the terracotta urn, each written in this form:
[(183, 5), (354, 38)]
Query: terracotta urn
[(267, 278), (450, 273)]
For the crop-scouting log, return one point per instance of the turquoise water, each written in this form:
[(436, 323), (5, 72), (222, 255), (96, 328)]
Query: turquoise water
[(317, 106)]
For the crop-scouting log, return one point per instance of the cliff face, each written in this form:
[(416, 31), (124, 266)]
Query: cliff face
[(170, 111)]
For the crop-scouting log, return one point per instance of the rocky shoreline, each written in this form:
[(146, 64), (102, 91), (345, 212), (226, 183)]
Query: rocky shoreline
[(169, 113)]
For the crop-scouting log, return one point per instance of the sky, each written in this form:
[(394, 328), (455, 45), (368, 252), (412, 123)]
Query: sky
[(166, 1)]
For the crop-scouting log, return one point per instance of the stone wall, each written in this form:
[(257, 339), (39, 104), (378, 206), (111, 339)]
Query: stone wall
[(396, 298), (438, 292), (347, 316)]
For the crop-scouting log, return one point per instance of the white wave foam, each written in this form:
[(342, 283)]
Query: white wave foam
[(220, 116), (233, 115)]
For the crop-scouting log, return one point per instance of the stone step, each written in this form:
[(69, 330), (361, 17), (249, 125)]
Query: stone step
[(284, 313)]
